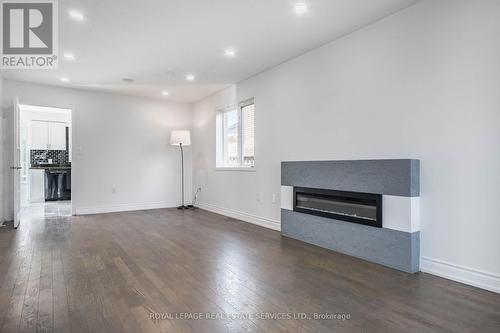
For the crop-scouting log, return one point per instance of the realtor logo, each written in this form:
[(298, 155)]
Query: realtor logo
[(29, 34)]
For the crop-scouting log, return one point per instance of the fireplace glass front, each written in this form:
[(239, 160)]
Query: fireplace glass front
[(356, 207)]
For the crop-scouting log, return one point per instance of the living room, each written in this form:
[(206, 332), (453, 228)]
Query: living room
[(333, 161)]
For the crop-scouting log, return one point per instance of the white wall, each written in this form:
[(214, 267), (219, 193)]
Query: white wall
[(423, 83), (119, 142)]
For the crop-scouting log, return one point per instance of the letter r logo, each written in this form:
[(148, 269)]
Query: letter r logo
[(27, 28)]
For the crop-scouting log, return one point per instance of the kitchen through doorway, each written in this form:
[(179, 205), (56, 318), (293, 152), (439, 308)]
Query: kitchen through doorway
[(46, 150)]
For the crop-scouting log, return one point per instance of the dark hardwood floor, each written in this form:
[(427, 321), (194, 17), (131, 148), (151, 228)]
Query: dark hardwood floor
[(110, 272)]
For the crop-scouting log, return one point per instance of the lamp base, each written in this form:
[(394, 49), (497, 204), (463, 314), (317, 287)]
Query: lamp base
[(183, 207)]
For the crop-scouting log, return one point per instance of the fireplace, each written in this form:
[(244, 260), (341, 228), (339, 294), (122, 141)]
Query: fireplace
[(364, 208), (355, 207)]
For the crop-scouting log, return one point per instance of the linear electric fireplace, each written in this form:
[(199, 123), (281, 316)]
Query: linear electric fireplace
[(364, 208), (355, 207)]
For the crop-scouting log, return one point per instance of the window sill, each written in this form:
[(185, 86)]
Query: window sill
[(244, 169)]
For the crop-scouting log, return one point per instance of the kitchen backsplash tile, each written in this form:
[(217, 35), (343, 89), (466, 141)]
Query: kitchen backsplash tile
[(43, 156)]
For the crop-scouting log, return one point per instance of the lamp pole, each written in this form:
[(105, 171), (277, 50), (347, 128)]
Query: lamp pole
[(181, 138), (182, 177)]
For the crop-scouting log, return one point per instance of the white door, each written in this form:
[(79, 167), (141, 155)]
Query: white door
[(16, 167)]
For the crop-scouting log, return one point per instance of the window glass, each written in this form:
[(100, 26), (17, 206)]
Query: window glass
[(236, 136)]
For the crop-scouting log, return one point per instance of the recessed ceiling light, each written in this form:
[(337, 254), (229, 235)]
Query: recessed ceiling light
[(300, 7), (64, 79), (128, 80), (69, 56), (230, 52), (76, 15), (165, 93), (190, 77)]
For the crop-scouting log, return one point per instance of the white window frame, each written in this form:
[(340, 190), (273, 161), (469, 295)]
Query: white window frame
[(219, 133)]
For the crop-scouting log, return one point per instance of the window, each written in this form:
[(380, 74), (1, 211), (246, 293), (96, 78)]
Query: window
[(236, 136), (248, 134)]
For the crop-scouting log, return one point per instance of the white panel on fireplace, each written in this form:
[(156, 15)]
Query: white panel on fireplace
[(401, 213), (287, 197)]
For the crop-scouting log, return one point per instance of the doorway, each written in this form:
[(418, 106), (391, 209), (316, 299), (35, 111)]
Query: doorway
[(45, 161)]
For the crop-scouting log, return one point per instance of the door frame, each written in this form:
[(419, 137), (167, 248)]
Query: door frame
[(16, 160), (72, 141)]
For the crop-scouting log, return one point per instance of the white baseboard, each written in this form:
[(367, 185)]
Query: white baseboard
[(125, 207), (257, 220), (470, 276)]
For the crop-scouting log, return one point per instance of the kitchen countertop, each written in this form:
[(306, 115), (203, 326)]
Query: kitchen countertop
[(50, 167)]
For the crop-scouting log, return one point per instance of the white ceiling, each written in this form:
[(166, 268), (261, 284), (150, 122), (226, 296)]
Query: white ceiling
[(158, 42)]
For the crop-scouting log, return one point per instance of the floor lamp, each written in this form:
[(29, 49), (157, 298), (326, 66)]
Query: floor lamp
[(181, 139)]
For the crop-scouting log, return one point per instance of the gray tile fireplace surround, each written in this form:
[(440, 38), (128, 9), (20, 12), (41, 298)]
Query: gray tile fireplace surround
[(396, 180)]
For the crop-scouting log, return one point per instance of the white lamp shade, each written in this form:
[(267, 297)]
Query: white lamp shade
[(180, 137)]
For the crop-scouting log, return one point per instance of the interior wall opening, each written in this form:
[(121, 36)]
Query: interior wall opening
[(46, 156)]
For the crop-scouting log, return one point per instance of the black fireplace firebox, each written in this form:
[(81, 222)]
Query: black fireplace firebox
[(355, 207)]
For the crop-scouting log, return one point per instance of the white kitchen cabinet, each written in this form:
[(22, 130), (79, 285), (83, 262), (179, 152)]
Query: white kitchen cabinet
[(37, 185), (57, 136), (48, 135), (39, 134)]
